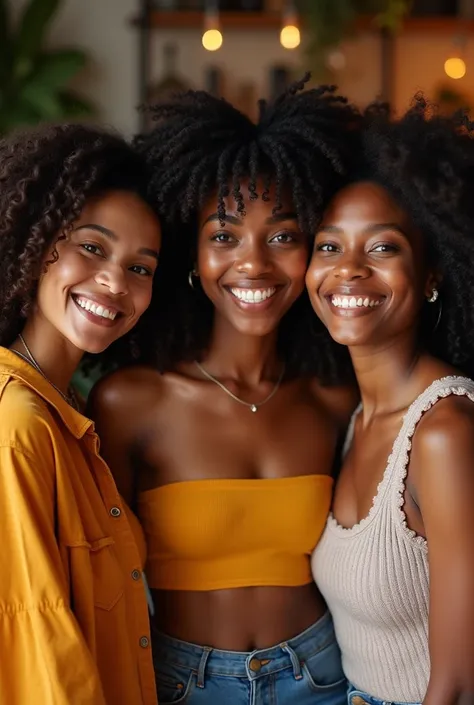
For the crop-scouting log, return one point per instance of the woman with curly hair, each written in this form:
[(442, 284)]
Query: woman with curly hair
[(78, 250), (392, 278), (224, 442)]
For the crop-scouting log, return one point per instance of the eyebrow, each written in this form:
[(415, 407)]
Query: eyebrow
[(112, 236), (370, 230), (234, 220)]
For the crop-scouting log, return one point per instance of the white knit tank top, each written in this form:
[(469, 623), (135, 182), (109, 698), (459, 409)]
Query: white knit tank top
[(375, 578)]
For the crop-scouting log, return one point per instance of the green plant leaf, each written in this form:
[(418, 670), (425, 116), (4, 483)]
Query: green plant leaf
[(55, 69), (41, 98), (31, 32), (74, 106), (15, 115), (329, 22)]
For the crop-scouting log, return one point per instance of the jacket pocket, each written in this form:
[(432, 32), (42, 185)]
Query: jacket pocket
[(97, 571)]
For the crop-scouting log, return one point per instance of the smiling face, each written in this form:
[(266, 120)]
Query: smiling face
[(252, 268), (102, 280), (368, 277)]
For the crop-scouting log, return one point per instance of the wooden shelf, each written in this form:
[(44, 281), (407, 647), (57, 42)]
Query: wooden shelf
[(263, 20), (438, 24), (230, 20)]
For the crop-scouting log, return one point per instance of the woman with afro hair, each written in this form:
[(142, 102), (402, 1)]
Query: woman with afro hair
[(392, 278), (78, 250), (224, 438)]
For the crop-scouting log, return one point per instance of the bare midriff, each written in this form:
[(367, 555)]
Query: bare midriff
[(239, 619)]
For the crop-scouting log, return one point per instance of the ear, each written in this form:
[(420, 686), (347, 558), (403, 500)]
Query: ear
[(433, 281)]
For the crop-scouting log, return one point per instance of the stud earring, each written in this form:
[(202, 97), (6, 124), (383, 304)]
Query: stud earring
[(434, 296)]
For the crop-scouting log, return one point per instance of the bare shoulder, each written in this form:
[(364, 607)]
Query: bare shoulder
[(125, 395), (445, 428), (340, 401)]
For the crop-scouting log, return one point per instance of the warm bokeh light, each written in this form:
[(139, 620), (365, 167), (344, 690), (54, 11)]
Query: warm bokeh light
[(455, 67), (336, 60), (212, 40), (290, 37)]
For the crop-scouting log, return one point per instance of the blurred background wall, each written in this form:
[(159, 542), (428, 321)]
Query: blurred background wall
[(251, 61)]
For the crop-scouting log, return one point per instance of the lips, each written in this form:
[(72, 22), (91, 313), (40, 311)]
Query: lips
[(253, 296), (97, 309), (347, 302)]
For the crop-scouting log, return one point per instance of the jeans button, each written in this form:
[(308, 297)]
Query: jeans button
[(357, 700), (255, 665)]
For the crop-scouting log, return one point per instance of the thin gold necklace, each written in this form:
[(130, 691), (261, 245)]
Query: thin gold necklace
[(70, 397), (252, 407)]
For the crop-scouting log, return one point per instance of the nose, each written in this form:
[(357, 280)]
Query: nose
[(253, 260), (113, 278), (351, 266)]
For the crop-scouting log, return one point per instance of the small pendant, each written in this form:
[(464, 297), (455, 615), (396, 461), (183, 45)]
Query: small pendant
[(254, 408)]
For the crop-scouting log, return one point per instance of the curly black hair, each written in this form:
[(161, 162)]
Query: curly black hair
[(46, 176), (203, 147), (426, 161)]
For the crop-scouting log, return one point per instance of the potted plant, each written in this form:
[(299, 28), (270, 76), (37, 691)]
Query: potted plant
[(34, 81), (331, 21)]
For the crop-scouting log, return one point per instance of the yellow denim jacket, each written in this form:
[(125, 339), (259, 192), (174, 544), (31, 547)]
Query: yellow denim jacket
[(74, 627)]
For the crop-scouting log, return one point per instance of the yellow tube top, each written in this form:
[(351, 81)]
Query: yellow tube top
[(219, 534)]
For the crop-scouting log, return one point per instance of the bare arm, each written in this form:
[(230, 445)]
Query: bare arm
[(443, 462), (111, 407)]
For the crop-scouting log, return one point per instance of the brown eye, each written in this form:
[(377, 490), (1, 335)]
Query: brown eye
[(283, 238), (222, 238), (93, 249), (142, 271), (384, 247), (326, 247)]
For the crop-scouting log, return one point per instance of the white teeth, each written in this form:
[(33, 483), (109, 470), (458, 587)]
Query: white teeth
[(253, 296), (96, 309), (352, 302)]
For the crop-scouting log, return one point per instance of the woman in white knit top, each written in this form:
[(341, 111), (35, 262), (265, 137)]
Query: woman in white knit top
[(392, 278)]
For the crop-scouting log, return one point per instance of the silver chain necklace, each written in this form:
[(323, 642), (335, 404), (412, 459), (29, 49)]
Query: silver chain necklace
[(252, 407), (70, 398)]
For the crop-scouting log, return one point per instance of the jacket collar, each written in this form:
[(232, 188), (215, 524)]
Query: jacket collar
[(12, 365)]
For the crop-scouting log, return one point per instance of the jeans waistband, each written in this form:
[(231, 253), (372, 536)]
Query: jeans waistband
[(358, 697), (252, 665)]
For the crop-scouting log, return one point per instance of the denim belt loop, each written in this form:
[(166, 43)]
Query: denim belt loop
[(295, 662), (202, 666)]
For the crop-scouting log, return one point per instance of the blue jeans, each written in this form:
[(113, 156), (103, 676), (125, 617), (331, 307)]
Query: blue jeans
[(357, 697), (305, 670)]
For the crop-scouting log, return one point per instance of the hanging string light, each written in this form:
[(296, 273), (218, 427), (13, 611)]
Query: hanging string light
[(290, 36), (212, 37)]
